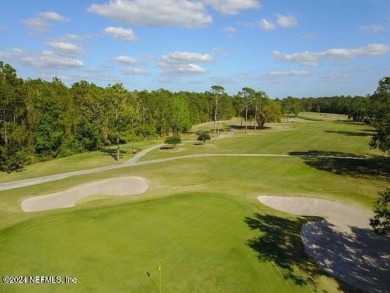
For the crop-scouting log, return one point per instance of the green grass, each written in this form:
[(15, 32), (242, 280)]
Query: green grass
[(203, 241), (329, 135), (78, 162), (200, 216)]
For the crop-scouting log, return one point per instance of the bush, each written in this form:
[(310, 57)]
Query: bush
[(173, 140), (13, 160), (204, 136)]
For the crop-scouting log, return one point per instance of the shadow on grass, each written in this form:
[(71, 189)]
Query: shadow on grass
[(279, 242), (221, 130), (167, 147), (249, 127), (350, 133), (112, 153), (308, 118), (352, 122), (347, 163)]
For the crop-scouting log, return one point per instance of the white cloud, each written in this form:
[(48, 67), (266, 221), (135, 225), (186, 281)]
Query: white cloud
[(221, 51), (183, 13), (373, 28), (121, 33), (304, 58), (125, 60), (335, 78), (313, 58), (290, 73), (130, 64), (229, 30), (266, 25), (184, 57), (369, 50), (77, 38), (243, 75), (283, 21), (231, 7), (189, 68), (45, 61), (135, 71), (51, 16), (49, 60), (183, 63), (64, 47), (43, 21), (286, 20), (284, 77)]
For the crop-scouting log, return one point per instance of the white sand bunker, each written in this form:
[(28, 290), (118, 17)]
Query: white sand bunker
[(342, 216), (343, 244), (115, 186)]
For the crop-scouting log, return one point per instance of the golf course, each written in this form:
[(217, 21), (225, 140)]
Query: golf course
[(195, 224)]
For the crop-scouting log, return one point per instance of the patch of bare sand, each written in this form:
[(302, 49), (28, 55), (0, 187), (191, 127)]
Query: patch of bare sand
[(120, 186), (343, 244)]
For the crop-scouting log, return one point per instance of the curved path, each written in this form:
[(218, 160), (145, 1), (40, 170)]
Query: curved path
[(135, 162), (49, 178), (345, 249), (344, 244)]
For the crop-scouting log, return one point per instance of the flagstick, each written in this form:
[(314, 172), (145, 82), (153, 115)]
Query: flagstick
[(160, 268)]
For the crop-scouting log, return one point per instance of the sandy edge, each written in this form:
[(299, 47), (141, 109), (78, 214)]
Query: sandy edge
[(344, 244), (119, 186), (341, 215)]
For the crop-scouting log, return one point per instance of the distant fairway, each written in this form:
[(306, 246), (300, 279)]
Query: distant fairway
[(200, 216)]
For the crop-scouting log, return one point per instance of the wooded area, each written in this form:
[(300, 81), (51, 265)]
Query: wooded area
[(41, 120)]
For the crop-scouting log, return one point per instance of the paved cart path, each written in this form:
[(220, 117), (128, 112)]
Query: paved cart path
[(135, 162)]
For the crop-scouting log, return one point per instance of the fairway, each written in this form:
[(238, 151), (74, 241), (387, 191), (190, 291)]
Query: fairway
[(199, 238), (200, 217)]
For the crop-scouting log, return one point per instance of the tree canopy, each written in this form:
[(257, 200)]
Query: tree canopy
[(380, 115), (41, 120), (381, 220), (256, 105)]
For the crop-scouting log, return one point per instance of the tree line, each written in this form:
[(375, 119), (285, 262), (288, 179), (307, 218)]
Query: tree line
[(371, 109), (42, 120)]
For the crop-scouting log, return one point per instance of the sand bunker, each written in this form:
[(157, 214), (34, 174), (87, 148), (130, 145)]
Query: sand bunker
[(115, 186), (342, 216), (344, 244)]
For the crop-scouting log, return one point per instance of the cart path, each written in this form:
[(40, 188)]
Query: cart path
[(135, 162)]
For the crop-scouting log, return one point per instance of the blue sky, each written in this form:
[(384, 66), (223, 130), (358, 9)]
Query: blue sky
[(300, 48)]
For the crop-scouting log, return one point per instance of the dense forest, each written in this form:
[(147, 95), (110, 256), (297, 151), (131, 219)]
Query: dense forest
[(41, 120)]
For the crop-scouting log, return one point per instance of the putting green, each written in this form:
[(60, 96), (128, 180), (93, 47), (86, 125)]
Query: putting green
[(201, 240)]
